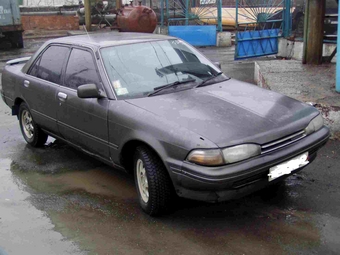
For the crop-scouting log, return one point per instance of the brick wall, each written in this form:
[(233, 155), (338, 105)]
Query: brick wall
[(50, 22)]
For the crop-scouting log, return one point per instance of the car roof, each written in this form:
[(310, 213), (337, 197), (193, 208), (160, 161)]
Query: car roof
[(110, 39)]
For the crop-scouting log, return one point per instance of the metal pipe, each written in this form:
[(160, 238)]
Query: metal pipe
[(171, 19), (236, 26), (162, 13), (287, 19), (187, 12), (167, 8), (268, 21), (236, 16), (219, 15)]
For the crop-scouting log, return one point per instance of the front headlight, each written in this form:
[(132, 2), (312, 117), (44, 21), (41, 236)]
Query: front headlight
[(206, 157), (241, 152), (229, 155), (314, 125)]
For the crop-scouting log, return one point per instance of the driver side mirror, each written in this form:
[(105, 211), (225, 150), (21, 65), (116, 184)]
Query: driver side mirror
[(89, 91)]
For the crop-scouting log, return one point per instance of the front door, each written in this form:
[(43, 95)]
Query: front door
[(83, 121)]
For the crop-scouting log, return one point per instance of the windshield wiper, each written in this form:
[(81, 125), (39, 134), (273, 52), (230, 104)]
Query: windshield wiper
[(174, 84), (209, 79)]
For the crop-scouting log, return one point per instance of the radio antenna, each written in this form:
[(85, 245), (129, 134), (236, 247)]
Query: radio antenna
[(87, 32)]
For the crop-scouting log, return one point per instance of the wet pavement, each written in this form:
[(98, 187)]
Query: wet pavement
[(56, 200)]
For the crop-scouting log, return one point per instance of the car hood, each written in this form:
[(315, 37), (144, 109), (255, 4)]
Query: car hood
[(231, 112)]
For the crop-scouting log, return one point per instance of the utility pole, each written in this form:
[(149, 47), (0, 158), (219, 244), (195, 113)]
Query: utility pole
[(87, 5), (313, 32), (119, 4)]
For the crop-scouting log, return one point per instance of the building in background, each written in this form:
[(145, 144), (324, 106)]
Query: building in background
[(47, 2)]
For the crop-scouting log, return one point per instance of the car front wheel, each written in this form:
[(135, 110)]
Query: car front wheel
[(33, 135), (154, 188)]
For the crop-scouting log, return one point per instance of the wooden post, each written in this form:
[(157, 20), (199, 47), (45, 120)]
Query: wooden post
[(314, 23), (118, 4), (87, 5)]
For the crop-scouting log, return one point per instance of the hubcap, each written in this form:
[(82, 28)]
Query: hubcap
[(27, 124), (142, 181)]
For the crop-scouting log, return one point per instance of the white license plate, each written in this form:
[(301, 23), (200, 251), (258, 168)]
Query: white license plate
[(288, 166)]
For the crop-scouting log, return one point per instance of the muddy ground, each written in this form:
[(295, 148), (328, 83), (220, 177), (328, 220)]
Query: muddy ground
[(56, 200)]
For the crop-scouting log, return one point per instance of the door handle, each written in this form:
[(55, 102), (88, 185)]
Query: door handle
[(26, 83), (62, 96)]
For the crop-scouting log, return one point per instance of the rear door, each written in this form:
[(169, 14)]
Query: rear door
[(83, 121), (41, 84)]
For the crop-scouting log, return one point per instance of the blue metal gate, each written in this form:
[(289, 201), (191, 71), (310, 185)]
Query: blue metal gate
[(195, 21), (259, 24)]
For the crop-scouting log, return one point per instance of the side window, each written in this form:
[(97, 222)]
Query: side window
[(81, 69), (49, 65)]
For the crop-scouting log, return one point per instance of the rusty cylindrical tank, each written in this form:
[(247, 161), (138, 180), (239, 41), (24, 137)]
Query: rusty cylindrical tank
[(136, 19)]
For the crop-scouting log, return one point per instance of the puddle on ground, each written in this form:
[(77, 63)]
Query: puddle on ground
[(24, 229), (96, 206)]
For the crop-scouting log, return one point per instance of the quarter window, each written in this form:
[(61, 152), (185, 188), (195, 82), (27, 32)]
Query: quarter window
[(81, 69), (50, 64)]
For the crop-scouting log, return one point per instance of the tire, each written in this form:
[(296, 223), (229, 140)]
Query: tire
[(154, 187), (31, 132)]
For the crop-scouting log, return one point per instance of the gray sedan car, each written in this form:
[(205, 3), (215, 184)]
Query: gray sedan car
[(154, 106)]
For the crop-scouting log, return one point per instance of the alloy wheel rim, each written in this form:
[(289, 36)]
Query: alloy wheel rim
[(142, 181), (27, 124)]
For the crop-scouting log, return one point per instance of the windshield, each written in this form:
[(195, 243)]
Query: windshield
[(135, 70)]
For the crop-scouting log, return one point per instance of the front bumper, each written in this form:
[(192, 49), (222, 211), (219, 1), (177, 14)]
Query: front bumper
[(227, 182)]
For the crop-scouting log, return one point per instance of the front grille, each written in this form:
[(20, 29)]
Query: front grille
[(272, 146)]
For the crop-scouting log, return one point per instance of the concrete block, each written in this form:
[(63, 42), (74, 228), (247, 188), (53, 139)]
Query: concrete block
[(223, 39), (298, 51), (328, 48), (290, 49), (294, 49)]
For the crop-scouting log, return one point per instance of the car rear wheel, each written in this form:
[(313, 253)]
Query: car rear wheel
[(31, 132), (154, 188)]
